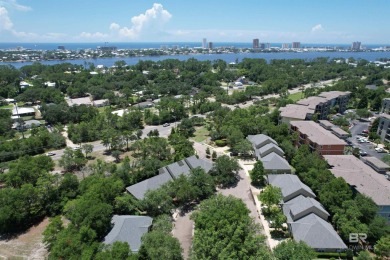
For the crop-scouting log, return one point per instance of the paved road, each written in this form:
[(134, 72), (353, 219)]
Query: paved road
[(247, 104)]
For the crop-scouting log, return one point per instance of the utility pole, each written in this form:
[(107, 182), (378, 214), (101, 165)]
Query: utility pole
[(20, 120)]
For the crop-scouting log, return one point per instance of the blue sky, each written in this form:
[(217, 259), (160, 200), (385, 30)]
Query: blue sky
[(307, 21)]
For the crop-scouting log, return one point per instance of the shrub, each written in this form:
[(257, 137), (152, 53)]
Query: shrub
[(220, 143)]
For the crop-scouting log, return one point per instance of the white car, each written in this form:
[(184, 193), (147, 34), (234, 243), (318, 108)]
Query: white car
[(50, 154), (379, 150)]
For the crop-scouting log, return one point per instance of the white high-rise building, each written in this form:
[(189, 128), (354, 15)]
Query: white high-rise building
[(204, 43)]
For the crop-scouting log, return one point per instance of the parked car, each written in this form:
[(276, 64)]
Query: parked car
[(76, 148), (379, 150), (233, 154), (365, 131), (363, 153), (166, 124), (50, 154)]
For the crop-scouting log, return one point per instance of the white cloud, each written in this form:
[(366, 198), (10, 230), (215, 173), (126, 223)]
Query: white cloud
[(317, 28), (14, 4), (149, 23), (5, 21), (114, 27), (96, 35)]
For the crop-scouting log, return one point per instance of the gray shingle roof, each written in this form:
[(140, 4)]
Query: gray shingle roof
[(290, 185), (139, 189), (128, 229), (260, 140), (275, 162), (178, 168), (317, 233), (194, 162), (301, 206), (269, 148), (168, 173)]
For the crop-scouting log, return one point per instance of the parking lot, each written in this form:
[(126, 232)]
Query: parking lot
[(367, 147)]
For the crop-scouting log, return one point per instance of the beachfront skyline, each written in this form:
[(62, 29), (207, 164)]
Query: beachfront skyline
[(329, 21)]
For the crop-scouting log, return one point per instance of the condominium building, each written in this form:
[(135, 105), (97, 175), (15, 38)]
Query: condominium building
[(319, 105), (384, 121), (356, 46), (296, 45), (385, 106), (255, 43), (362, 179), (285, 46), (210, 45), (317, 138), (204, 43)]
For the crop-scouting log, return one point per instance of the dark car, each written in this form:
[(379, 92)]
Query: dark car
[(363, 153), (233, 154)]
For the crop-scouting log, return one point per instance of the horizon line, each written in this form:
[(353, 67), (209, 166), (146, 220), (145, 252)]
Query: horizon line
[(200, 42)]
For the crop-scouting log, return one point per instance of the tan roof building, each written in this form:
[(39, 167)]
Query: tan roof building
[(305, 108), (318, 138), (363, 179)]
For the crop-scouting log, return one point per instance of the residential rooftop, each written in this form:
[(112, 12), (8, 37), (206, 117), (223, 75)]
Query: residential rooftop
[(333, 94), (316, 133), (361, 176), (295, 111), (312, 102), (128, 229), (168, 173), (317, 233), (290, 185)]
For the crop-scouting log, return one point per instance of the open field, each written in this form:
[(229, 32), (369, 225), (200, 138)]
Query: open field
[(200, 134), (296, 96), (27, 245)]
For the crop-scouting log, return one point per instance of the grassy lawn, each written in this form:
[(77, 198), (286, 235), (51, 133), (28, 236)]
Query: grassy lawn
[(296, 96), (200, 134), (7, 107)]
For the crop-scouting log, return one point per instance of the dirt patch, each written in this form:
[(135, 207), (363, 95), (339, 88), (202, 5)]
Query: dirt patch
[(27, 245)]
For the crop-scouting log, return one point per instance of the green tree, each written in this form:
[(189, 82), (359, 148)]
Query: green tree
[(293, 250), (72, 160), (202, 182), (270, 196), (116, 251), (87, 148), (116, 154), (377, 229), (363, 113), (208, 153), (160, 245), (224, 230), (257, 174), (51, 232), (214, 155), (90, 213), (157, 202), (243, 147), (364, 255), (382, 247), (334, 193), (225, 171)]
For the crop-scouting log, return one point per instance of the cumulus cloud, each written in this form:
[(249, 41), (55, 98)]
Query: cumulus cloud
[(149, 23), (96, 35), (317, 28), (114, 27), (14, 4), (5, 21)]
